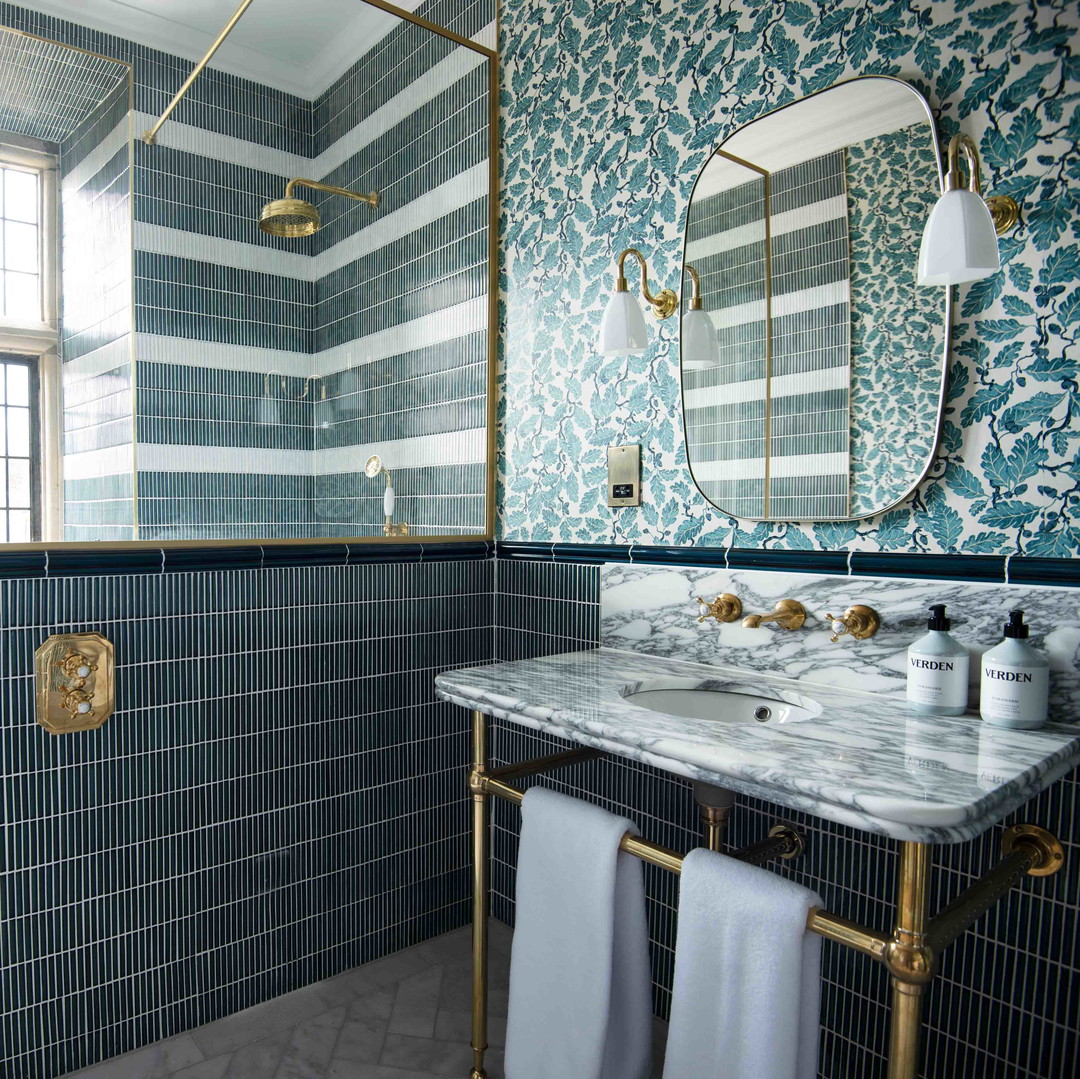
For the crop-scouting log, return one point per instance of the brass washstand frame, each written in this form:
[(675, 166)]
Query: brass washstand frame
[(910, 952)]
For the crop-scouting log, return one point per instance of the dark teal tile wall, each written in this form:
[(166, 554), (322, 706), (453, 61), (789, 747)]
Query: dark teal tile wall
[(278, 796)]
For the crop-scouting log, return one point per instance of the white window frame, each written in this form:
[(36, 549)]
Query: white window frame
[(41, 338)]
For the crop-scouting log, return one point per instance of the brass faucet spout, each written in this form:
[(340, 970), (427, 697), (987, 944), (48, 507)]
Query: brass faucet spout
[(788, 613)]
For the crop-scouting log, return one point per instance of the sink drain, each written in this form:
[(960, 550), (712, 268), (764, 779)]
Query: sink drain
[(761, 713)]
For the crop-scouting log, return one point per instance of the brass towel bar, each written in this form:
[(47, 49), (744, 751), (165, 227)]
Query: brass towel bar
[(909, 952)]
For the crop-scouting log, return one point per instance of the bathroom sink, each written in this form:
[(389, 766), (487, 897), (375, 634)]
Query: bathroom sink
[(720, 702)]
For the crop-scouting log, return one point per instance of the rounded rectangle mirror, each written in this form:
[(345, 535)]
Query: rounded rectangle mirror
[(813, 365)]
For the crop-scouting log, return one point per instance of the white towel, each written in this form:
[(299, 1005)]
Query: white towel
[(747, 990), (580, 987)]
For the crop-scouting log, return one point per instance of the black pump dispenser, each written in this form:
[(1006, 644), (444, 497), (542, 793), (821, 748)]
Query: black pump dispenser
[(1015, 626), (937, 619)]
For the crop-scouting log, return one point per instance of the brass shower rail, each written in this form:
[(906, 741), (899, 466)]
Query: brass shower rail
[(910, 952), (150, 136)]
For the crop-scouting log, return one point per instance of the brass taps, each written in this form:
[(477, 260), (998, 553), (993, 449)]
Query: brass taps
[(788, 613), (724, 608), (858, 621)]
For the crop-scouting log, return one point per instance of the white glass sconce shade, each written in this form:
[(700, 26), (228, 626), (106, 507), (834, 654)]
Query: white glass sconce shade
[(623, 331), (959, 242), (700, 347)]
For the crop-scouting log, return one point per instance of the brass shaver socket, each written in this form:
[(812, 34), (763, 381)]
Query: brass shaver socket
[(724, 608), (73, 675), (857, 621)]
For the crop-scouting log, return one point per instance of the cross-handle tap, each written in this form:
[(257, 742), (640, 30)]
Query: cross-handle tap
[(788, 613), (725, 608), (858, 621)]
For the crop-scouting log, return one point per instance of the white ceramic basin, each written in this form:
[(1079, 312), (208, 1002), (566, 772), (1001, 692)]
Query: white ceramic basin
[(721, 702)]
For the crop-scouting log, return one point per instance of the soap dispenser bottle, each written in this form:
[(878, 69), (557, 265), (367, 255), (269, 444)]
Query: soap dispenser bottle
[(937, 676), (1015, 682)]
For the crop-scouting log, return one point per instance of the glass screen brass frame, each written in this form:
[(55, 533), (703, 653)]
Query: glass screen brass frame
[(946, 345), (492, 343)]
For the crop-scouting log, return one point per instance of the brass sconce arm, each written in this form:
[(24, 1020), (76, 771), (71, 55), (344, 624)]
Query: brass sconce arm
[(372, 198), (664, 304), (695, 296), (1003, 209)]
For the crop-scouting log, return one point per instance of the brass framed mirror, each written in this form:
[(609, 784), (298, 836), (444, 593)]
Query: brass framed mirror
[(813, 385)]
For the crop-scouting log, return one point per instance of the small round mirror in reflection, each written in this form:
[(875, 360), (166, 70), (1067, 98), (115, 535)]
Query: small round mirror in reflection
[(374, 465)]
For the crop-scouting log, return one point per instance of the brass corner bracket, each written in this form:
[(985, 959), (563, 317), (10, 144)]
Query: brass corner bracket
[(73, 673)]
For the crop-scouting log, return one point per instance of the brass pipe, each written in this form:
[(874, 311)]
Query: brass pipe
[(910, 961), (481, 837), (818, 921), (850, 934), (714, 820), (150, 136)]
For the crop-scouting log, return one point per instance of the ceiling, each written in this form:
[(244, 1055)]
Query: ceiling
[(289, 44)]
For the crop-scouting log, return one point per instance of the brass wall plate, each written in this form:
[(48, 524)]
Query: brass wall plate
[(74, 680)]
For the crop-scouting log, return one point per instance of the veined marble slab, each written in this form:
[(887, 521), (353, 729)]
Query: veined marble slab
[(654, 609), (865, 761)]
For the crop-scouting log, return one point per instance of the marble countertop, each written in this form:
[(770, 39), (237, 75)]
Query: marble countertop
[(865, 761)]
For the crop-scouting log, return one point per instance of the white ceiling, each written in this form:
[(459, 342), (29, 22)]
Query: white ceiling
[(300, 46)]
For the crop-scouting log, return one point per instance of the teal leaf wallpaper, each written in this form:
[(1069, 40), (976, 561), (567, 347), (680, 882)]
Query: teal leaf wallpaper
[(609, 110)]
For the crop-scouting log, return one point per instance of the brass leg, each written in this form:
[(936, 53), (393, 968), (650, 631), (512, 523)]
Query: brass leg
[(481, 820), (910, 960)]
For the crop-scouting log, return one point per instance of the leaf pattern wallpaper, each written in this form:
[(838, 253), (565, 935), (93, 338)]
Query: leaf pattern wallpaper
[(609, 110)]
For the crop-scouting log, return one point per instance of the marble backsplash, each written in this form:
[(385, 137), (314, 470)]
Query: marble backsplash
[(654, 609)]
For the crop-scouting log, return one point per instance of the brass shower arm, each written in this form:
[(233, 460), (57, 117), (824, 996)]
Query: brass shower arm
[(372, 199), (662, 305)]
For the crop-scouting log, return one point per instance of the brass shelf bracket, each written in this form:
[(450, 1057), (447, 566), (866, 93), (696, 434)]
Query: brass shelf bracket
[(909, 953)]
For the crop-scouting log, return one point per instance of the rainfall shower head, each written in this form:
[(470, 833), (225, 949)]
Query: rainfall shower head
[(294, 217)]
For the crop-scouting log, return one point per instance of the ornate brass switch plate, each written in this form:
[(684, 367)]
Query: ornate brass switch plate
[(73, 673)]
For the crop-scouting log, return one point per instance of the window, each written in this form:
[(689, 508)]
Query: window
[(29, 343), (20, 251), (20, 487)]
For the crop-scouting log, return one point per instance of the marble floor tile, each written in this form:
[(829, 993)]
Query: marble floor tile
[(259, 1060), (426, 1054), (263, 1020), (159, 1061), (403, 1017), (307, 1056), (417, 1004), (208, 1069)]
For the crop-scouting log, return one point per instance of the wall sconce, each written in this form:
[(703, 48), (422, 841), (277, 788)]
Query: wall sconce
[(700, 347), (622, 331), (959, 242)]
